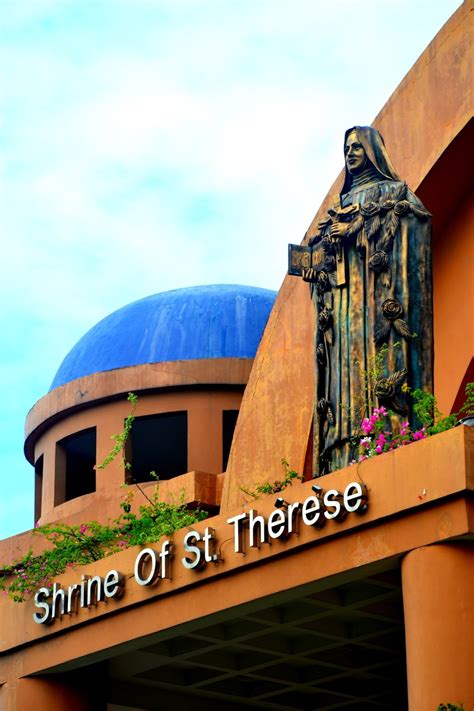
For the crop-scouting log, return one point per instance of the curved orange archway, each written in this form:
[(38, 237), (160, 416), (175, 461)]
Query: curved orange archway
[(425, 124)]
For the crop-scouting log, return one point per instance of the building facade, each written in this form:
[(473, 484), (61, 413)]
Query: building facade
[(276, 603)]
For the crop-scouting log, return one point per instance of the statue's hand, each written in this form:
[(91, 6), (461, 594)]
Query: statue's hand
[(309, 274), (338, 230)]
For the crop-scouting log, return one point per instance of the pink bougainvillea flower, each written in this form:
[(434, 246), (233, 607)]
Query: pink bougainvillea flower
[(84, 528), (404, 428), (421, 434), (367, 426)]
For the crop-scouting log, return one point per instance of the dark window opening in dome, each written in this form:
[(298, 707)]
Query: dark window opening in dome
[(158, 443), (229, 419), (75, 462), (38, 486)]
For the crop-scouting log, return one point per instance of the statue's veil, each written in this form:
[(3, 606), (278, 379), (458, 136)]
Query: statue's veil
[(374, 147)]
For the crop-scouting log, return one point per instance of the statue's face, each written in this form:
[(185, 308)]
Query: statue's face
[(355, 155)]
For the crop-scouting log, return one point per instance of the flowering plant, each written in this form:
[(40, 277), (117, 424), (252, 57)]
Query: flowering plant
[(67, 546), (383, 431), (380, 436)]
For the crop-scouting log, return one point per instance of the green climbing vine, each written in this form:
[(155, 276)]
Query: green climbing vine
[(121, 438), (67, 546), (273, 487)]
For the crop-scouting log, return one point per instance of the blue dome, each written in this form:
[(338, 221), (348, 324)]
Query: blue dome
[(220, 321)]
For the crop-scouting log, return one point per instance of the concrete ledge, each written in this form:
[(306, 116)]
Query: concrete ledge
[(194, 488)]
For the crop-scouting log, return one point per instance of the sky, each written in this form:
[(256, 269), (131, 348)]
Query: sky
[(148, 145)]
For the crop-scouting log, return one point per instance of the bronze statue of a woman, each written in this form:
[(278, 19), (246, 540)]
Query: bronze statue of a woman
[(370, 280)]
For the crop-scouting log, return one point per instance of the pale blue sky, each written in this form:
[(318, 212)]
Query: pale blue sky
[(147, 145)]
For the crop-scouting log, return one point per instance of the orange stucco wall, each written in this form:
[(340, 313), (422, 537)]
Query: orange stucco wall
[(420, 121), (453, 292)]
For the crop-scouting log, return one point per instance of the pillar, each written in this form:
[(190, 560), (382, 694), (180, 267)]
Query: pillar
[(43, 694), (438, 600)]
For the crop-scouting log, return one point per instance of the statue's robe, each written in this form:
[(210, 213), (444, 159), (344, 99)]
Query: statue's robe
[(373, 291)]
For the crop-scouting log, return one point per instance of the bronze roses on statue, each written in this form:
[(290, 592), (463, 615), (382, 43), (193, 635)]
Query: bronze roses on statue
[(387, 391), (401, 207), (392, 312), (324, 319), (392, 309), (369, 209), (323, 282), (378, 262)]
